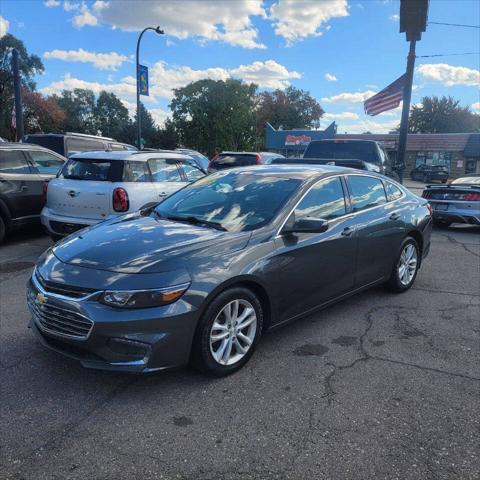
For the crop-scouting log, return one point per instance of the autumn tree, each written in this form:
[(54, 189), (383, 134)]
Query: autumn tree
[(41, 114)]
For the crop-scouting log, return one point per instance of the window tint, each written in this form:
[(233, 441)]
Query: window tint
[(227, 160), (75, 145), (45, 162), (164, 171), (13, 161), (366, 192), (325, 200), (393, 192), (136, 172), (90, 169), (343, 149), (192, 171)]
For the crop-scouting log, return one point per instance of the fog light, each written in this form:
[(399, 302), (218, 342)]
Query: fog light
[(128, 348)]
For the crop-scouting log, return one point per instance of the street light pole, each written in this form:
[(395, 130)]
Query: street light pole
[(139, 121)]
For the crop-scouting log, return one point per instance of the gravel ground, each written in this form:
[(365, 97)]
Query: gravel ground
[(381, 386)]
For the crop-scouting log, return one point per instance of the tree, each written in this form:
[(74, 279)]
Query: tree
[(209, 114), (29, 65), (442, 115), (79, 107), (110, 115), (292, 108), (41, 114), (166, 137)]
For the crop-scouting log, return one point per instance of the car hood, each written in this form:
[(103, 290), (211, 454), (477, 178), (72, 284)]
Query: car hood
[(144, 244)]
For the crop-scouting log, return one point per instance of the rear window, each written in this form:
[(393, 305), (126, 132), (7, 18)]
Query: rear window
[(366, 192), (93, 169), (51, 142), (77, 145), (365, 151), (234, 160)]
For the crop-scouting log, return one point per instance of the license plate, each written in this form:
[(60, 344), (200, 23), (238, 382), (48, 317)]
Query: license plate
[(440, 206)]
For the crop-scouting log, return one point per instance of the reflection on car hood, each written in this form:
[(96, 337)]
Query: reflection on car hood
[(141, 244)]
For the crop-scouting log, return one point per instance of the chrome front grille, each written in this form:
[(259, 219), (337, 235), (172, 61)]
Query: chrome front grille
[(57, 320), (61, 289)]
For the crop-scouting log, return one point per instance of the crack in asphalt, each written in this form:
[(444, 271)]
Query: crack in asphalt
[(457, 242), (432, 290)]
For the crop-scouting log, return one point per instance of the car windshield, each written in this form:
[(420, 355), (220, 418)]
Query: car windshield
[(473, 180), (341, 149), (232, 201)]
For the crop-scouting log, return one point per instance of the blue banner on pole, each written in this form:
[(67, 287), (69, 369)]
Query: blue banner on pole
[(143, 79)]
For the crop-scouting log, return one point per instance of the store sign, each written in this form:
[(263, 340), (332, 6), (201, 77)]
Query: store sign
[(298, 140)]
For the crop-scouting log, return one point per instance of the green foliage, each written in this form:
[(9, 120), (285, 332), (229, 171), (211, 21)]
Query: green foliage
[(30, 65), (208, 114), (442, 115), (79, 108), (110, 115)]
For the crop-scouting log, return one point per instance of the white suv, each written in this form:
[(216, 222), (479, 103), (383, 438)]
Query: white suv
[(96, 186)]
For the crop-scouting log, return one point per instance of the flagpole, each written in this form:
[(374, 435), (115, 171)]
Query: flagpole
[(407, 96), (17, 86)]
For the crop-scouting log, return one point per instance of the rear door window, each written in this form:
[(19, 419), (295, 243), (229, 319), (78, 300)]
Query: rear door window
[(164, 170), (77, 145), (325, 200), (366, 192), (234, 160), (136, 172), (45, 163), (393, 192), (93, 169), (13, 161)]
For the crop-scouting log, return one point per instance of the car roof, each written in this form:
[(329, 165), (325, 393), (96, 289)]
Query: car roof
[(25, 146), (131, 155)]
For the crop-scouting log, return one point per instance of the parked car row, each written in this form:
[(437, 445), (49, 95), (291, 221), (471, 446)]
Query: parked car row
[(199, 277)]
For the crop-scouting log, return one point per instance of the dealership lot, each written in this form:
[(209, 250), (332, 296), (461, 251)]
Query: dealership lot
[(379, 386)]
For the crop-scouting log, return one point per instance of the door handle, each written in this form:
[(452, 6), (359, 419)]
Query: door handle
[(347, 231), (394, 216), (23, 188)]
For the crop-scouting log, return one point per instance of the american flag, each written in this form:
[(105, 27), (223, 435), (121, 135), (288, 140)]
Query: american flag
[(390, 97)]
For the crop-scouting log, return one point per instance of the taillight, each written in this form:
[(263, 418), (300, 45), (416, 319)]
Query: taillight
[(472, 197), (425, 194), (430, 209), (120, 200), (259, 159)]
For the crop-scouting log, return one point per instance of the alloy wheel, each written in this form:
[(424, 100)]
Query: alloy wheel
[(407, 265), (233, 332)]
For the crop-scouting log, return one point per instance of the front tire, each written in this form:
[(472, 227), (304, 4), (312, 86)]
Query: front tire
[(405, 268), (228, 332), (3, 230)]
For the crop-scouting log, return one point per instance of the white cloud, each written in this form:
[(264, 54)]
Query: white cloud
[(341, 116), (52, 3), (330, 78), (4, 24), (369, 126), (349, 97), (163, 79), (102, 61), (70, 6), (229, 22), (449, 75), (159, 115), (297, 19), (269, 74), (476, 106), (394, 17), (84, 18)]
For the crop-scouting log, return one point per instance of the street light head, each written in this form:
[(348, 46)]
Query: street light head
[(159, 31)]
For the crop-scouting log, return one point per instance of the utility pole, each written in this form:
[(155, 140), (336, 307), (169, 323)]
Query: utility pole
[(413, 21), (17, 87), (139, 120)]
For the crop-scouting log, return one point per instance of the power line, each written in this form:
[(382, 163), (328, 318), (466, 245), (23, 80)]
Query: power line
[(454, 24), (447, 54)]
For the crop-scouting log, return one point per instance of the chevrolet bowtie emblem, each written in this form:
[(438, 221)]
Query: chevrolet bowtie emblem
[(41, 298)]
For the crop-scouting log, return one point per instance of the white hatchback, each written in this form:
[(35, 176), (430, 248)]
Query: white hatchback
[(95, 186)]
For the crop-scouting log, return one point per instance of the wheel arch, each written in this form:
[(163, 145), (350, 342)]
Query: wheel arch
[(418, 237)]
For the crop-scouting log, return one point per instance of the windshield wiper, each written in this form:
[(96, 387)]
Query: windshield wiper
[(196, 221)]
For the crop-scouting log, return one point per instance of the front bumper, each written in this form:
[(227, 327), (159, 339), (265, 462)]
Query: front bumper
[(135, 341)]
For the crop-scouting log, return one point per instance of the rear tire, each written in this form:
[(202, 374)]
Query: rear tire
[(405, 269), (207, 354), (3, 230)]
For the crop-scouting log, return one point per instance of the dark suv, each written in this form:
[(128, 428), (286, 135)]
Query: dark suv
[(24, 173), (70, 143)]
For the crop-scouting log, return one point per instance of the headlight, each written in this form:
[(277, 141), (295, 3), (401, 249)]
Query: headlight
[(143, 298)]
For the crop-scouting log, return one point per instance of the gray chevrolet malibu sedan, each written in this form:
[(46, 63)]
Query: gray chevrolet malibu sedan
[(201, 276)]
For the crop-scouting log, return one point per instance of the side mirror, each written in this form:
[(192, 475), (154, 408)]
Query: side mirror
[(305, 225)]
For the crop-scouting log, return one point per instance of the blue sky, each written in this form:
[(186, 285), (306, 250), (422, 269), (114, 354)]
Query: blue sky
[(342, 52)]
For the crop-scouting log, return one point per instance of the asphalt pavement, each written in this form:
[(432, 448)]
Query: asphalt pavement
[(380, 386)]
